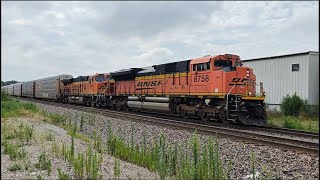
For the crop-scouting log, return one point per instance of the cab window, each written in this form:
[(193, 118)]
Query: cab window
[(100, 78), (207, 65), (201, 66), (222, 63)]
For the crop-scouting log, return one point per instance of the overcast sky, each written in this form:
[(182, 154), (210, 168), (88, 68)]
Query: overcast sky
[(41, 39)]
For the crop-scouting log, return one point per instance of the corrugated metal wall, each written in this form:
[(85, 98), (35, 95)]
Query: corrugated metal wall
[(313, 79), (279, 79)]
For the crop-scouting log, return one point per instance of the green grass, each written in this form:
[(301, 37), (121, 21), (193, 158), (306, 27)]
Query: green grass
[(116, 168), (86, 164), (14, 151), (39, 177), (170, 160), (44, 163), (4, 96), (298, 123), (15, 108), (62, 175), (49, 136), (15, 167), (81, 121)]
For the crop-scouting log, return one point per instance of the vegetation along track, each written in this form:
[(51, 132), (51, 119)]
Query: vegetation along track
[(239, 134)]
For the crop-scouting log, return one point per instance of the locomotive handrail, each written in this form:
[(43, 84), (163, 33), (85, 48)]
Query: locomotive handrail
[(227, 105), (261, 89)]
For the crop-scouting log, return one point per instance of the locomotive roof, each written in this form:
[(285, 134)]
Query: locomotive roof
[(206, 59)]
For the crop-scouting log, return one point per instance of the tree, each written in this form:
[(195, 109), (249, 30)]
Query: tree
[(5, 83)]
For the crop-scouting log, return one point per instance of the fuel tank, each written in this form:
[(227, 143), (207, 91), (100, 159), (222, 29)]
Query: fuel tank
[(133, 98), (157, 99), (149, 106), (78, 100)]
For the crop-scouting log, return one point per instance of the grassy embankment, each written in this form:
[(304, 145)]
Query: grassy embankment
[(178, 161), (16, 137)]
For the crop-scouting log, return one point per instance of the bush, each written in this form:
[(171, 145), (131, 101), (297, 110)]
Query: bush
[(4, 96), (293, 105), (309, 111)]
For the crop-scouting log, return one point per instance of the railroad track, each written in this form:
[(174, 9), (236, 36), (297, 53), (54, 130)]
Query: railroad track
[(238, 134), (290, 132)]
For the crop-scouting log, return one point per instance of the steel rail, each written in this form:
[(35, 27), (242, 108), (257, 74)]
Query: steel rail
[(254, 137)]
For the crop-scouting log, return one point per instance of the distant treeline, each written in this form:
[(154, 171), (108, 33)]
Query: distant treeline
[(4, 83)]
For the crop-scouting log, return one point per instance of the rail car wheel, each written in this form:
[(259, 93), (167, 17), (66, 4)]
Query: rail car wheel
[(184, 114), (203, 116), (223, 118), (126, 108)]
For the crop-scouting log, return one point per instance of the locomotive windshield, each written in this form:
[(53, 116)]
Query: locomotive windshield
[(222, 63), (100, 78)]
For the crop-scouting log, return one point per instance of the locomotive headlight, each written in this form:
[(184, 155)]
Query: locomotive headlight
[(264, 93), (249, 93), (248, 73)]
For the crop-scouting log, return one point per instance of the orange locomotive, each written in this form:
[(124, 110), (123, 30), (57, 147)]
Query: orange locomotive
[(87, 89), (211, 87)]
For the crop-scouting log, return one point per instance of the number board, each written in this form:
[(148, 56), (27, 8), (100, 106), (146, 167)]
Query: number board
[(201, 78)]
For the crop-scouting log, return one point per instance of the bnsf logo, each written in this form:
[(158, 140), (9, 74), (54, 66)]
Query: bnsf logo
[(242, 80), (150, 83)]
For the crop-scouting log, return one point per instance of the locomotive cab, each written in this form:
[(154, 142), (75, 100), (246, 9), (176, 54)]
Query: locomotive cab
[(223, 74), (105, 85), (224, 77)]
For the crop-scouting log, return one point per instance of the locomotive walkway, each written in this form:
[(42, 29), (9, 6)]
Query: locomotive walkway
[(285, 142)]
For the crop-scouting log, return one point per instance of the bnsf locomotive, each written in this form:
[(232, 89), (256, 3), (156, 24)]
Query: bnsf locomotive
[(210, 87)]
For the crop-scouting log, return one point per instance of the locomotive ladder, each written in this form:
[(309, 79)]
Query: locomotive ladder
[(233, 102)]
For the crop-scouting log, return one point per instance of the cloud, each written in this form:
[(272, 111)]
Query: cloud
[(41, 39), (20, 22)]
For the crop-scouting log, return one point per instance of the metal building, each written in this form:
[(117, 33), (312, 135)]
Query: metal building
[(287, 74)]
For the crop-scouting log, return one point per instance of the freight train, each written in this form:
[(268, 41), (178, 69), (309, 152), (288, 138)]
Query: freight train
[(209, 88)]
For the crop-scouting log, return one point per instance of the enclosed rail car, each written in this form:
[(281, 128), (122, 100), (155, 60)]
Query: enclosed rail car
[(17, 89), (46, 88), (49, 88)]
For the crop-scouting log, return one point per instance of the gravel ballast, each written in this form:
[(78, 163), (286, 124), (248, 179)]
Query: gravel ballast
[(39, 145), (282, 164)]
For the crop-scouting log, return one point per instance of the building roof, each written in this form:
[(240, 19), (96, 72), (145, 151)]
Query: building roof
[(281, 56)]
